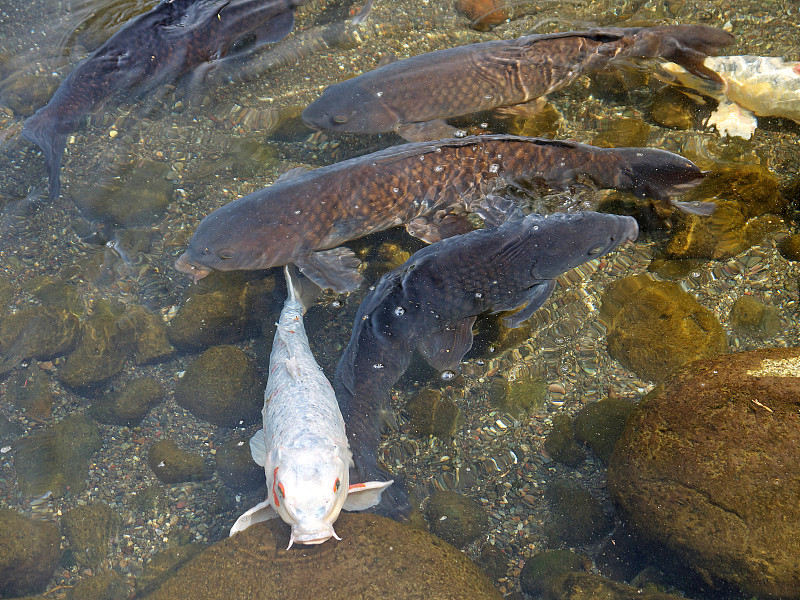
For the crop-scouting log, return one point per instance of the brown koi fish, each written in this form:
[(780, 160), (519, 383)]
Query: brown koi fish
[(304, 219), (411, 95)]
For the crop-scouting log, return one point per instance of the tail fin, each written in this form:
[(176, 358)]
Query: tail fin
[(301, 289), (40, 130), (686, 45), (658, 174)]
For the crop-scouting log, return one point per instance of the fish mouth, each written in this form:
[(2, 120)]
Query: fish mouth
[(184, 264), (631, 232), (312, 537)]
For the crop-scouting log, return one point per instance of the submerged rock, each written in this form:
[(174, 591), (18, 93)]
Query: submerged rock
[(456, 519), (754, 317), (173, 465), (111, 337), (588, 586), (163, 565), (518, 397), (622, 132), (377, 559), (600, 424), (29, 389), (656, 327), (484, 14), (88, 529), (56, 457), (707, 469), (107, 586), (236, 467), (222, 308), (29, 553), (36, 332), (560, 443), (578, 517), (543, 567), (129, 405), (431, 414), (223, 387)]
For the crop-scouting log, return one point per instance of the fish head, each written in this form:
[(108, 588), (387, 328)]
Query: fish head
[(237, 237), (308, 488), (566, 240), (351, 108)]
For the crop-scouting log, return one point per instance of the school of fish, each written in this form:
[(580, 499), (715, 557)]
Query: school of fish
[(316, 437)]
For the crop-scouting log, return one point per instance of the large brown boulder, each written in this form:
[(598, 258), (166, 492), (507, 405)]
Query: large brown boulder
[(708, 468), (376, 558)]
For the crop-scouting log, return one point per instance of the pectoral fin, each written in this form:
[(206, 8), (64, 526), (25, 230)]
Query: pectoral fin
[(361, 496), (260, 512), (444, 348), (258, 447), (336, 269), (432, 229), (426, 131), (733, 120), (528, 301), (532, 108)]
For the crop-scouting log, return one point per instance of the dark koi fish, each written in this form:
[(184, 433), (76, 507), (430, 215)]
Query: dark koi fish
[(430, 302), (304, 219), (157, 47), (406, 95)]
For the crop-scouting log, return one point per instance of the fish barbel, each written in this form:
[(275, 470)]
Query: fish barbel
[(430, 303), (403, 95), (157, 47), (304, 218), (302, 444)]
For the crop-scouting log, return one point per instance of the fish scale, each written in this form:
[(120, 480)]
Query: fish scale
[(302, 216)]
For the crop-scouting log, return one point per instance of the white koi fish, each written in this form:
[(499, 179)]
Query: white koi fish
[(303, 445), (751, 86)]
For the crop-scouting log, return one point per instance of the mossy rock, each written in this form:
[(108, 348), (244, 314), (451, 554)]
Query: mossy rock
[(163, 565), (589, 586), (518, 397), (707, 470), (173, 465), (236, 467), (29, 553), (789, 247), (431, 414), (29, 389), (754, 317), (673, 109), (382, 559), (88, 529), (223, 308), (223, 387), (106, 586), (541, 568), (578, 517), (129, 405), (455, 518), (36, 332), (600, 424), (57, 457), (660, 328), (622, 132), (560, 443)]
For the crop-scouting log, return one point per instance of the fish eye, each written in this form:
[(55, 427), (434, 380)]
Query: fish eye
[(595, 250), (281, 491), (339, 119), (226, 254), (336, 485), (206, 251)]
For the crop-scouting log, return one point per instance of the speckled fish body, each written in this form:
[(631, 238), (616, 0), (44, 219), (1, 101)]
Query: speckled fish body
[(157, 47), (431, 301), (305, 218), (477, 77), (302, 445), (750, 86)]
